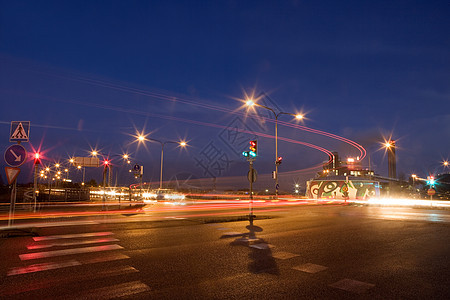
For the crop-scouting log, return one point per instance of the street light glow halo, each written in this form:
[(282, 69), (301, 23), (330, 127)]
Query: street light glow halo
[(250, 102)]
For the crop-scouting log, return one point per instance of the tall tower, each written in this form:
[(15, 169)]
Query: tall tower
[(392, 161)]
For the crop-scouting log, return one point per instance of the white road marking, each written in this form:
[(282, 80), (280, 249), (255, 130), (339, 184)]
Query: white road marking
[(284, 255), (38, 255), (262, 246), (354, 286), (70, 236), (310, 268), (55, 224), (58, 281), (115, 291), (42, 267), (63, 244), (70, 263)]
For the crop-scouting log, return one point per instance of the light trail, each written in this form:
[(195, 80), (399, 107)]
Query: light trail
[(182, 99), (164, 207), (161, 96), (201, 123)]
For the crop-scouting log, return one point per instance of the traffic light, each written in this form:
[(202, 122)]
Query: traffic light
[(279, 160), (106, 162), (37, 158), (431, 181), (253, 148), (246, 153)]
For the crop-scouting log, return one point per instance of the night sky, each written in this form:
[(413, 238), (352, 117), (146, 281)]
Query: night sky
[(93, 74)]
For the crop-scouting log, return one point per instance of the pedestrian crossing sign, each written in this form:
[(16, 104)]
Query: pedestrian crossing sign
[(20, 131)]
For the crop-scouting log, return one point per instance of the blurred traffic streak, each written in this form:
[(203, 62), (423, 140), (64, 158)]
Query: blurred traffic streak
[(55, 210), (404, 202)]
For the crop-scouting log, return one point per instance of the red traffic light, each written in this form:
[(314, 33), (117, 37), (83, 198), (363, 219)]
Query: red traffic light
[(279, 160), (106, 162), (253, 148), (37, 158)]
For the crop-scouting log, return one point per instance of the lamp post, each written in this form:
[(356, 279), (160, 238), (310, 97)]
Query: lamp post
[(251, 103), (107, 162), (392, 163), (142, 138)]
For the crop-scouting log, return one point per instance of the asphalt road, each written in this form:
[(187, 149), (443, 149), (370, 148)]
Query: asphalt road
[(290, 252)]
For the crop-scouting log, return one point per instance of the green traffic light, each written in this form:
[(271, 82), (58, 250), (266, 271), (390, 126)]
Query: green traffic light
[(252, 154)]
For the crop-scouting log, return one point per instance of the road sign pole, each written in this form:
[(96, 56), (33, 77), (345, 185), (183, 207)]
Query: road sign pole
[(35, 185), (12, 205)]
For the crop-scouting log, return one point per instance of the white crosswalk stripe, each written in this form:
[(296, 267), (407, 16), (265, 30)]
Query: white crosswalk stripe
[(75, 243), (74, 254), (37, 255)]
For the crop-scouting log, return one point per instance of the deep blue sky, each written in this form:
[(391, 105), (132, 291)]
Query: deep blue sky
[(85, 73)]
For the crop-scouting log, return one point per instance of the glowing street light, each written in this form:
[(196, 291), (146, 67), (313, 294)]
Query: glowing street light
[(251, 103), (180, 143)]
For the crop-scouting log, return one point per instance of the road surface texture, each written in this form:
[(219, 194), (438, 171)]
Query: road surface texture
[(289, 252)]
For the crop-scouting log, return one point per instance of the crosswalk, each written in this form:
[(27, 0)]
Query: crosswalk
[(251, 240), (56, 266)]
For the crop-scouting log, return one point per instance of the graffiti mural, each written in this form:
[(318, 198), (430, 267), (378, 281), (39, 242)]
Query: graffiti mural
[(342, 189)]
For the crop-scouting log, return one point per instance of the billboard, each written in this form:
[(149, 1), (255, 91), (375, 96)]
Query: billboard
[(86, 161)]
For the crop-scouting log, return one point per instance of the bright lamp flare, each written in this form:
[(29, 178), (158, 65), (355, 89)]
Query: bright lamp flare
[(250, 102), (182, 144), (299, 117)]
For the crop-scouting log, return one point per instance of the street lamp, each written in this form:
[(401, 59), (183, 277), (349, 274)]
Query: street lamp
[(162, 143), (251, 103)]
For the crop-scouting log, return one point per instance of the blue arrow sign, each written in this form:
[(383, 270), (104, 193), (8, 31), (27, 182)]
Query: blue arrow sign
[(15, 155)]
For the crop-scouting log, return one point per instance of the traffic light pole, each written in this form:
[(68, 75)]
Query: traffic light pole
[(251, 179), (276, 156), (104, 186), (35, 185)]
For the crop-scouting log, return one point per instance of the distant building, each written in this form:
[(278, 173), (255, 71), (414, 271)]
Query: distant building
[(352, 166), (342, 187), (343, 179)]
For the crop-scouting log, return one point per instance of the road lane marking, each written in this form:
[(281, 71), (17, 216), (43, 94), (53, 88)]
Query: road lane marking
[(354, 286), (58, 281), (114, 291), (70, 263), (70, 236), (104, 258), (42, 267), (310, 268), (284, 255), (262, 246), (38, 255), (75, 243)]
